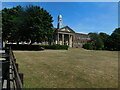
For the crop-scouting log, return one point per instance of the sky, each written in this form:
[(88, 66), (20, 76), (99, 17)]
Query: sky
[(82, 17)]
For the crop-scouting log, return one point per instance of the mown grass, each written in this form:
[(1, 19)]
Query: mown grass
[(73, 68)]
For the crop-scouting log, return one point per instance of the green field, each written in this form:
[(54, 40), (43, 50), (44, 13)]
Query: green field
[(73, 68)]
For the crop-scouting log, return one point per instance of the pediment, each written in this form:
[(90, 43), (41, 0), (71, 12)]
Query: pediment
[(66, 29)]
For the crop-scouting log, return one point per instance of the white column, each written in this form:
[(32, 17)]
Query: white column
[(58, 39), (62, 39), (55, 39), (69, 41)]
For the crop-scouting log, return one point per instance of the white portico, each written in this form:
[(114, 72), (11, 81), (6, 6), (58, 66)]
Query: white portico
[(64, 36)]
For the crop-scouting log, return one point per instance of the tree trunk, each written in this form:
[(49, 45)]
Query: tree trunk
[(17, 42), (49, 42)]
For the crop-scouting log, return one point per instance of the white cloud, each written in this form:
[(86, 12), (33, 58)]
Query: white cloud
[(7, 7)]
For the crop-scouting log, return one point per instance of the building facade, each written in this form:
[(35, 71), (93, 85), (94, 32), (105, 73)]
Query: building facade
[(66, 36)]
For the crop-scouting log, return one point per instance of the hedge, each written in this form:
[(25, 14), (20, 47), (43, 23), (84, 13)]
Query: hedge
[(55, 46), (36, 47), (88, 46)]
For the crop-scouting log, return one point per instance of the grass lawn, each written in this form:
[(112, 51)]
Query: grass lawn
[(73, 68)]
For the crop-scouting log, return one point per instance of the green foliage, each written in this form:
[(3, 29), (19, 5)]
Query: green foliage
[(55, 46), (9, 27), (96, 42), (30, 23), (113, 42), (104, 41), (104, 38), (88, 46)]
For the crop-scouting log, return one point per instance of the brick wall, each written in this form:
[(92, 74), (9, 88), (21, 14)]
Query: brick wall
[(80, 39)]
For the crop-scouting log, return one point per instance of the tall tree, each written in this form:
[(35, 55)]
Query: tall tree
[(9, 26), (31, 23), (104, 38), (37, 24), (96, 41), (113, 42)]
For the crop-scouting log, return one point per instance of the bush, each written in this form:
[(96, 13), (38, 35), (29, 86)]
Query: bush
[(36, 47), (89, 46), (24, 47), (55, 46), (94, 48)]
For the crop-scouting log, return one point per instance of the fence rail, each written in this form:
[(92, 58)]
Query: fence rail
[(14, 78)]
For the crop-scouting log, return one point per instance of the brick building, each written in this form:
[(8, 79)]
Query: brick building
[(66, 36)]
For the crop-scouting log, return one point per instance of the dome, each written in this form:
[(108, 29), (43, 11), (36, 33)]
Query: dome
[(60, 16)]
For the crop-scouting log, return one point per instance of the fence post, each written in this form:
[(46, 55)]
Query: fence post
[(16, 64), (21, 77), (8, 76), (15, 60)]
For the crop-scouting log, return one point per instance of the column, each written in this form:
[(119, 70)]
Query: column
[(62, 39), (55, 39), (69, 40), (58, 39), (74, 40)]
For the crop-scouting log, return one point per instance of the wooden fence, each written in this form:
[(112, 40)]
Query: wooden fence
[(11, 72)]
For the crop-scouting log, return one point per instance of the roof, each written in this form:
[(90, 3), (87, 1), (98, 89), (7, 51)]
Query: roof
[(71, 31), (82, 34), (67, 29), (54, 28)]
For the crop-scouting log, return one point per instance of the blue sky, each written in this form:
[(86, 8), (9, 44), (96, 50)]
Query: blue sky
[(83, 17)]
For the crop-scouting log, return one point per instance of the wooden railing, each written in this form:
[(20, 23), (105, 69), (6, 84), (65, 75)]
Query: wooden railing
[(14, 78), (17, 77)]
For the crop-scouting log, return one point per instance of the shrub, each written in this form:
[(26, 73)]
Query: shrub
[(23, 47), (36, 47), (89, 46), (55, 46)]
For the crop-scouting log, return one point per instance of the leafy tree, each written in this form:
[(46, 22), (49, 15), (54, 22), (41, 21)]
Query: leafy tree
[(31, 23), (96, 41), (113, 42), (37, 24), (99, 43), (104, 41), (104, 38), (10, 29), (109, 43), (116, 39)]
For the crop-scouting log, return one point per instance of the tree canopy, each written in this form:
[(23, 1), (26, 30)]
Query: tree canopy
[(30, 23), (104, 41), (96, 41), (113, 42)]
